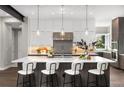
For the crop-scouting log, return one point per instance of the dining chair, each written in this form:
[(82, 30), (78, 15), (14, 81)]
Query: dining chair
[(73, 72), (50, 73), (27, 72), (100, 71)]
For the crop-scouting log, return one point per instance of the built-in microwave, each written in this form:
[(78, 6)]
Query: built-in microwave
[(114, 51)]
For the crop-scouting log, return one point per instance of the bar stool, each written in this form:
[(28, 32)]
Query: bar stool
[(73, 72), (101, 67), (50, 72), (27, 71)]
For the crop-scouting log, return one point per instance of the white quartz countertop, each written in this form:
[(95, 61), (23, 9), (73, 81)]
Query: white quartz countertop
[(65, 59)]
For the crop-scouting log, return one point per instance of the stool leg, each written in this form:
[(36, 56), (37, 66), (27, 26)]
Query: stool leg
[(47, 80), (41, 79), (23, 80), (74, 80), (97, 80), (17, 80), (57, 80), (88, 79), (105, 80), (30, 80), (80, 80), (64, 80), (34, 79), (52, 80)]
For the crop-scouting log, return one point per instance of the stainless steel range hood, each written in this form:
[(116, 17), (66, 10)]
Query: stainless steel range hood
[(62, 44)]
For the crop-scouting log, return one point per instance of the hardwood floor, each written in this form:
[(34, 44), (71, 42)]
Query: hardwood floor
[(116, 77), (8, 77)]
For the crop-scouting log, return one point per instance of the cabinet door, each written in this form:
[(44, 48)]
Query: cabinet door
[(107, 55), (115, 29), (121, 61)]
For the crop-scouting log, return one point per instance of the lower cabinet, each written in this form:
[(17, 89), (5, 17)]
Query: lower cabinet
[(121, 61), (107, 55)]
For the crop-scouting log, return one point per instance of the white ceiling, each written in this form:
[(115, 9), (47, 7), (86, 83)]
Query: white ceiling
[(103, 14)]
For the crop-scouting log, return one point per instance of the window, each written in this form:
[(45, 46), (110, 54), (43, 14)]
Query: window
[(100, 41)]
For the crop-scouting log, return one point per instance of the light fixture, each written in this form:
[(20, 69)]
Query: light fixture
[(38, 31), (62, 28), (86, 29)]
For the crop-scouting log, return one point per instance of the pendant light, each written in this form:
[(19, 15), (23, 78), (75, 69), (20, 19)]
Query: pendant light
[(38, 31), (62, 28), (86, 29)]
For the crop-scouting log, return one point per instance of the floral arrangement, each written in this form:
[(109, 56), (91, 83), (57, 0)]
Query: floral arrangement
[(87, 48), (40, 50)]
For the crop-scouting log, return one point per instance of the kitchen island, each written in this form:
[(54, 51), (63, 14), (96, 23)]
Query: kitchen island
[(65, 63)]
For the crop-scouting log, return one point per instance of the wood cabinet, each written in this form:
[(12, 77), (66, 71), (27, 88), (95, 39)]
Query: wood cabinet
[(118, 33), (115, 29), (118, 36), (107, 55)]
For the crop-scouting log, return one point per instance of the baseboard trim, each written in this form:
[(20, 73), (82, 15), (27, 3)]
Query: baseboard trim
[(4, 68)]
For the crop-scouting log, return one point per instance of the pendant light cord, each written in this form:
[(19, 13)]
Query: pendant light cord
[(86, 17), (38, 17), (62, 15)]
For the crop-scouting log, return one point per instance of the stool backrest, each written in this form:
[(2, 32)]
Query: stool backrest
[(102, 66), (52, 66), (28, 66), (76, 66)]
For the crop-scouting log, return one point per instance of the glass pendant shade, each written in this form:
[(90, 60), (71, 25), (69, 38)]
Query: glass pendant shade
[(62, 28), (62, 32), (38, 31), (86, 32)]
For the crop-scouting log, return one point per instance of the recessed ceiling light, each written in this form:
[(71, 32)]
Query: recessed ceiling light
[(71, 13), (62, 9), (91, 13), (32, 13), (53, 13)]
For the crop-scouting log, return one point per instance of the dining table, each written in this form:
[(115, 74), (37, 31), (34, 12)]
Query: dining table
[(65, 63)]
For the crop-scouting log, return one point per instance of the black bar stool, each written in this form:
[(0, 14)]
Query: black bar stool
[(73, 72), (27, 72), (50, 73), (99, 72)]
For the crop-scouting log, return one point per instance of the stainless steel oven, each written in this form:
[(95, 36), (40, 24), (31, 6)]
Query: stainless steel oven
[(114, 55)]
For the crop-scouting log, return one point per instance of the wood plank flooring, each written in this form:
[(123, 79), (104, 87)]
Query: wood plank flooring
[(8, 77)]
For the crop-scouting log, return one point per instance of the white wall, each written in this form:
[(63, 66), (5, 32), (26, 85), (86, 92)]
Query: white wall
[(48, 26), (23, 40), (6, 41)]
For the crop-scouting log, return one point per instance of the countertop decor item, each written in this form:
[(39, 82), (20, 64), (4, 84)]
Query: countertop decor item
[(50, 53)]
